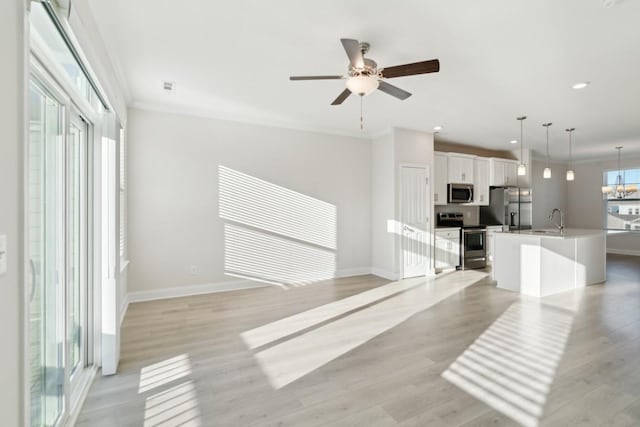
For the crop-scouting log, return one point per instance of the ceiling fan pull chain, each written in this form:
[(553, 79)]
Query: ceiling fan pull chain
[(361, 120)]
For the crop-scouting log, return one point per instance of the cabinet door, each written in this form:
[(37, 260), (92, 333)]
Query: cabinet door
[(453, 252), (460, 169), (454, 169), (466, 170), (496, 177), (490, 236), (441, 253), (481, 182), (440, 179), (510, 173)]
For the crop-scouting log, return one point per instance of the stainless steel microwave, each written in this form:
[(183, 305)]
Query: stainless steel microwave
[(459, 193)]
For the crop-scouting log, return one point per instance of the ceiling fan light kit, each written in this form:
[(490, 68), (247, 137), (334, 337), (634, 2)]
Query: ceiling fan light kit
[(362, 85), (363, 75)]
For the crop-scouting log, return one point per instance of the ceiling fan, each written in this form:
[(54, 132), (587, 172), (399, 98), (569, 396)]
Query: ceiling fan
[(364, 76)]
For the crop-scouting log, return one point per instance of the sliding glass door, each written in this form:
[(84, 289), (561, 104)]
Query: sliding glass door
[(77, 241), (46, 256), (58, 227)]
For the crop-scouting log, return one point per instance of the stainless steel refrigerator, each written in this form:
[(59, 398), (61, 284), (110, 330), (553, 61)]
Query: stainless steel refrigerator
[(510, 206)]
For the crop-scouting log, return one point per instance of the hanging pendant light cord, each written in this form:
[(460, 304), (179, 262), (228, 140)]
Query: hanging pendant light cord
[(570, 144), (521, 142), (570, 155), (547, 126), (620, 179)]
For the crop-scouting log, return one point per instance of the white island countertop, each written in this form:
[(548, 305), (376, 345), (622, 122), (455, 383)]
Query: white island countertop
[(554, 233), (545, 262)]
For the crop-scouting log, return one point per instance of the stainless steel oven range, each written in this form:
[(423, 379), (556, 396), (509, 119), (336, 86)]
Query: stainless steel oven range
[(473, 240)]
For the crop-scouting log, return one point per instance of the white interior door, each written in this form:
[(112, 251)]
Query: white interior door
[(414, 203)]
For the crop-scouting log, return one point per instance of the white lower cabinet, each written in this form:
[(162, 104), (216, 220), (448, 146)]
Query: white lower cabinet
[(447, 248), (490, 230)]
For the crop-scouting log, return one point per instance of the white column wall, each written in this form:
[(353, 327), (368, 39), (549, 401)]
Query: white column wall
[(12, 88)]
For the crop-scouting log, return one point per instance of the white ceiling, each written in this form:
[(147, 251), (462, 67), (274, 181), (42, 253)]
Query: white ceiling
[(498, 59)]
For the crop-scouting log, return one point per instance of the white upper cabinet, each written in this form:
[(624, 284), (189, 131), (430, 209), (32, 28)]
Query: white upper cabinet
[(496, 173), (503, 172), (460, 168), (510, 172), (481, 181), (440, 179)]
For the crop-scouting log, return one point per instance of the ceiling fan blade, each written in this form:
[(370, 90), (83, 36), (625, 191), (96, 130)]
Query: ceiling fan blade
[(393, 90), (431, 66), (352, 47), (340, 99), (315, 77)]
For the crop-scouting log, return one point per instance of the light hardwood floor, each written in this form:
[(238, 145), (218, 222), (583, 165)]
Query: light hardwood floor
[(363, 352)]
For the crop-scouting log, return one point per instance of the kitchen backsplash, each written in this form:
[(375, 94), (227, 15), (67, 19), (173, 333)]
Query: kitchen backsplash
[(471, 213)]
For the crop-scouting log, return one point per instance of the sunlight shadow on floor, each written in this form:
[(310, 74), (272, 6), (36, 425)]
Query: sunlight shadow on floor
[(290, 360), (170, 395), (512, 365)]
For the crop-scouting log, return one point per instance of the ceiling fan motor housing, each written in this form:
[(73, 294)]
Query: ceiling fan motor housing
[(370, 69)]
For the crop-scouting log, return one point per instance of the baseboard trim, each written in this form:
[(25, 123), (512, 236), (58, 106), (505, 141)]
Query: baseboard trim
[(384, 274), (623, 251), (349, 272), (234, 285), (185, 291), (124, 305)]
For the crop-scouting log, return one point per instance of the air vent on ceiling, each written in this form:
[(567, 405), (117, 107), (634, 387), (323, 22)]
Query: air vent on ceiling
[(168, 87), (611, 3)]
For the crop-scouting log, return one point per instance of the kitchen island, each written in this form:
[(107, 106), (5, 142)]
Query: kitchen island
[(545, 262)]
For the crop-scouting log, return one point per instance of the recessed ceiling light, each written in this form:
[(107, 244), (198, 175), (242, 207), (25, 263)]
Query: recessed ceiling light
[(514, 141), (580, 85), (437, 128)]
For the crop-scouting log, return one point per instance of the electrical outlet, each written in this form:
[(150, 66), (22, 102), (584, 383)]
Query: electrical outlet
[(3, 254), (193, 269)]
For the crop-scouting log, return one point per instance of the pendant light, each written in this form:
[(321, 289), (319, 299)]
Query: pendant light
[(546, 174), (522, 169), (620, 190), (570, 175)]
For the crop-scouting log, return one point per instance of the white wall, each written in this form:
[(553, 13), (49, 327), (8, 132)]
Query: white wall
[(388, 154), (383, 258), (548, 193), (586, 204), (173, 200), (11, 181)]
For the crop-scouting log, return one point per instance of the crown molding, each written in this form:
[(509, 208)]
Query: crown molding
[(209, 114)]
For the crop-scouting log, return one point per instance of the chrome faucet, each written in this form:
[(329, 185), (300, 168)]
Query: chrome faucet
[(561, 226)]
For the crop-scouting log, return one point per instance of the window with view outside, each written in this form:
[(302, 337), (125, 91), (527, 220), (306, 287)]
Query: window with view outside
[(623, 213)]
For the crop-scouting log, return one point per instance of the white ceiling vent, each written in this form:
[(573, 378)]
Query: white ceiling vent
[(611, 3), (168, 87)]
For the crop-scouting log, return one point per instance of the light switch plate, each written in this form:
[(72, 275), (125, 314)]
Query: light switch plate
[(3, 254)]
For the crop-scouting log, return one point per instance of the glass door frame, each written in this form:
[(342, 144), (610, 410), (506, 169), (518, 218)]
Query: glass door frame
[(85, 271), (76, 386)]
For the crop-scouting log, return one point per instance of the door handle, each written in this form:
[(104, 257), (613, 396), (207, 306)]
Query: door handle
[(409, 229), (32, 270)]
